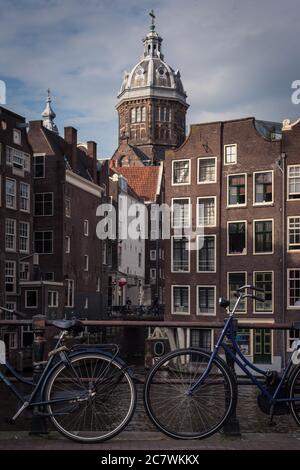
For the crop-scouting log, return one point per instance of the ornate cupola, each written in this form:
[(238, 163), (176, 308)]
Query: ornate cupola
[(152, 102), (49, 115)]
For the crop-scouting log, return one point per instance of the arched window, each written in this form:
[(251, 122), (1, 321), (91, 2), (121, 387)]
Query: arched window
[(138, 114), (133, 115), (143, 114)]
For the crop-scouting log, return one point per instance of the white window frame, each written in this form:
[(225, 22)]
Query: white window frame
[(188, 335), (198, 170), (189, 254), (269, 203), (152, 273), (201, 314), (152, 255), (288, 183), (173, 202), (26, 298), (68, 244), (14, 235), (291, 250), (289, 338), (197, 210), (172, 299), (273, 237), (44, 231), (262, 312), (26, 199), (70, 289), (14, 196), (17, 137), (172, 178), (246, 237), (21, 270), (229, 206), (54, 298), (14, 264), (24, 238), (86, 263), (215, 253), (288, 297), (86, 227), (242, 312), (226, 146)]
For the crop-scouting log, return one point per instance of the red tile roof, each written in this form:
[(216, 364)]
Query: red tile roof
[(143, 180)]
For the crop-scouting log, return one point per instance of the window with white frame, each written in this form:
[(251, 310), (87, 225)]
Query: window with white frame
[(70, 284), (201, 338), (24, 237), (10, 276), (206, 301), (293, 294), (243, 339), (264, 280), (43, 204), (153, 273), (52, 298), (263, 236), (133, 115), (10, 234), (138, 114), (180, 254), (235, 281), (68, 207), (43, 242), (10, 189), (98, 285), (86, 228), (10, 306), (68, 244), (31, 298), (294, 233), (294, 182), (236, 190), (206, 211), (39, 166), (181, 299), (24, 271), (207, 172), (24, 197), (17, 136), (181, 172), (206, 249), (86, 262), (153, 255), (230, 153), (237, 239), (181, 212), (263, 187), (292, 335)]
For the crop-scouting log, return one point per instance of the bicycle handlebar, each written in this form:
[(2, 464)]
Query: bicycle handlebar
[(250, 286)]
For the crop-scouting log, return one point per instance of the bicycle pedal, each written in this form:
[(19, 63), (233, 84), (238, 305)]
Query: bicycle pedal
[(9, 421)]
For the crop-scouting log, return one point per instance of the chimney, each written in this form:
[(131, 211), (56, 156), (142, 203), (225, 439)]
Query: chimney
[(92, 154), (71, 139)]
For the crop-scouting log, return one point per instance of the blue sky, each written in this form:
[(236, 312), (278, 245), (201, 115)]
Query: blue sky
[(237, 57)]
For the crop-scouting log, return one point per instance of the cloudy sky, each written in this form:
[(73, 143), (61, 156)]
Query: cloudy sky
[(237, 57)]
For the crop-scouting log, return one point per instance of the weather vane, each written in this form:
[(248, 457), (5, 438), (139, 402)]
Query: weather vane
[(152, 26)]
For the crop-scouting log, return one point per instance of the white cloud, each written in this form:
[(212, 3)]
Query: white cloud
[(237, 57)]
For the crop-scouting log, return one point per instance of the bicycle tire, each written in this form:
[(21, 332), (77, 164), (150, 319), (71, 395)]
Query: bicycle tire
[(294, 392), (105, 414), (174, 398)]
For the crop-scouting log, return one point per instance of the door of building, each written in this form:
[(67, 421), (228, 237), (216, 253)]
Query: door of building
[(262, 346)]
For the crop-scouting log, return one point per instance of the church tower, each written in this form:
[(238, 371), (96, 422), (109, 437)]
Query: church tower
[(151, 106)]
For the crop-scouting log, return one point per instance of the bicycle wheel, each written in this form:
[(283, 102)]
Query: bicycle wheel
[(189, 416), (294, 393), (95, 398)]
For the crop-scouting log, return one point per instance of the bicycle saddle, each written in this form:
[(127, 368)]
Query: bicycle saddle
[(224, 302), (67, 324)]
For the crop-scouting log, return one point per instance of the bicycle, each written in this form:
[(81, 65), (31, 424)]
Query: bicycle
[(87, 391), (191, 393)]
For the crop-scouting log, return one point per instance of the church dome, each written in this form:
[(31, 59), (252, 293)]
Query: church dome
[(152, 76)]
